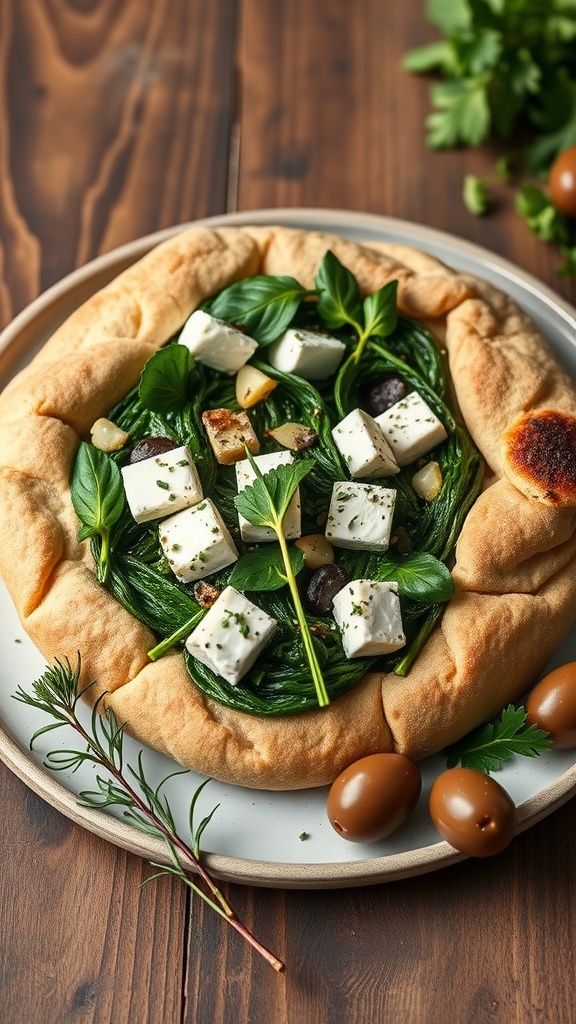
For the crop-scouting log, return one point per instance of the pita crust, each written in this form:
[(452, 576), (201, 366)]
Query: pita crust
[(515, 568)]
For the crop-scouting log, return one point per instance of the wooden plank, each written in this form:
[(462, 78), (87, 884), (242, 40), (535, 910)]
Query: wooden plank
[(81, 938), (114, 121)]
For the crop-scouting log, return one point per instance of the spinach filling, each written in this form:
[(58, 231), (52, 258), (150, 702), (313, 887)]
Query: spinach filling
[(140, 578)]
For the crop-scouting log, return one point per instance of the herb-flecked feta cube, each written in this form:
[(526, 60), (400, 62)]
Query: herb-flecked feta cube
[(292, 520), (369, 616), (216, 343), (411, 428), (309, 354), (231, 635), (161, 485), (196, 542), (360, 516), (363, 446)]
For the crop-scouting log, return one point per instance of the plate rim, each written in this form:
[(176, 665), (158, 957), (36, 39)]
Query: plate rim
[(333, 874)]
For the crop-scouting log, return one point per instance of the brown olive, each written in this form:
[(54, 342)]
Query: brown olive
[(472, 812), (322, 587), (562, 182), (384, 393), (552, 706), (373, 797), (150, 447)]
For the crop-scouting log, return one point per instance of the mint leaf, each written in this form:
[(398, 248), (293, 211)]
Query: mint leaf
[(164, 380), (338, 294), (380, 312), (488, 747), (421, 577), (263, 305), (263, 569)]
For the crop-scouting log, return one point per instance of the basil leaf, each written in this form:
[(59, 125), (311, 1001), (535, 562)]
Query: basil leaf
[(164, 380), (264, 569), (421, 577), (338, 293), (96, 490), (380, 312), (264, 305), (264, 502)]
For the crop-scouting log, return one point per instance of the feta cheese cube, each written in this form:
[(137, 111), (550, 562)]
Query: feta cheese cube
[(411, 428), (363, 446), (368, 614), (231, 635), (360, 516), (161, 485), (245, 475), (310, 355), (228, 432), (196, 542), (216, 343)]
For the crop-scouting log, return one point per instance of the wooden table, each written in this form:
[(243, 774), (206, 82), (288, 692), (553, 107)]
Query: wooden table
[(118, 118)]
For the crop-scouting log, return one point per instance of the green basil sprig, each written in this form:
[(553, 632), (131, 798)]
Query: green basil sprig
[(264, 305), (339, 303), (98, 498)]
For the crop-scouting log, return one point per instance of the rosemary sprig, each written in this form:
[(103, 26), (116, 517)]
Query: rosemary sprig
[(56, 693)]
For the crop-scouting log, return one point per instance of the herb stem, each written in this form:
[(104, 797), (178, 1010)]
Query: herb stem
[(404, 665), (179, 634), (315, 670)]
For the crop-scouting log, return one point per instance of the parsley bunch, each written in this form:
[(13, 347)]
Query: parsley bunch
[(508, 71)]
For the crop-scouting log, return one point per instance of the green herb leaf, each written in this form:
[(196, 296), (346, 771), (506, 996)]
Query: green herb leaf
[(380, 312), (266, 500), (97, 494), (421, 577), (339, 299), (477, 198), (263, 569), (535, 207), (462, 114), (264, 305), (488, 747), (164, 380)]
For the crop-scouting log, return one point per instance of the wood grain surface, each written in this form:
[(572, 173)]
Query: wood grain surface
[(118, 117)]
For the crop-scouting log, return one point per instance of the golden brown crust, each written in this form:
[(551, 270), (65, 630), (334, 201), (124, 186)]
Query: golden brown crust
[(516, 556)]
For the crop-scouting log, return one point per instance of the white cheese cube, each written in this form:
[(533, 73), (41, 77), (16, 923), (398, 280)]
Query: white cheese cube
[(369, 617), (215, 343), (411, 428), (245, 475), (360, 516), (196, 542), (310, 355), (363, 446), (231, 635), (161, 485)]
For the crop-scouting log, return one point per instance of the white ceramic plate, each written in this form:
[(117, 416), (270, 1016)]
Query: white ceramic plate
[(254, 837)]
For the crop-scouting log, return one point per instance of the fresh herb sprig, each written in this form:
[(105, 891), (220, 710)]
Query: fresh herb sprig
[(340, 304), (505, 68), (97, 495), (487, 748), (265, 503), (56, 694)]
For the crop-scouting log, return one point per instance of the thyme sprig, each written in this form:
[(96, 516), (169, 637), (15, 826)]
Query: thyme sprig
[(56, 693)]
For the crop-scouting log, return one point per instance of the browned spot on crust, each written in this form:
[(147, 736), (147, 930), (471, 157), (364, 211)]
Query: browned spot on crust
[(542, 449)]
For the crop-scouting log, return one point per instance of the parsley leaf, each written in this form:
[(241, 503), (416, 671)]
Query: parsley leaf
[(491, 745), (477, 198), (462, 114)]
